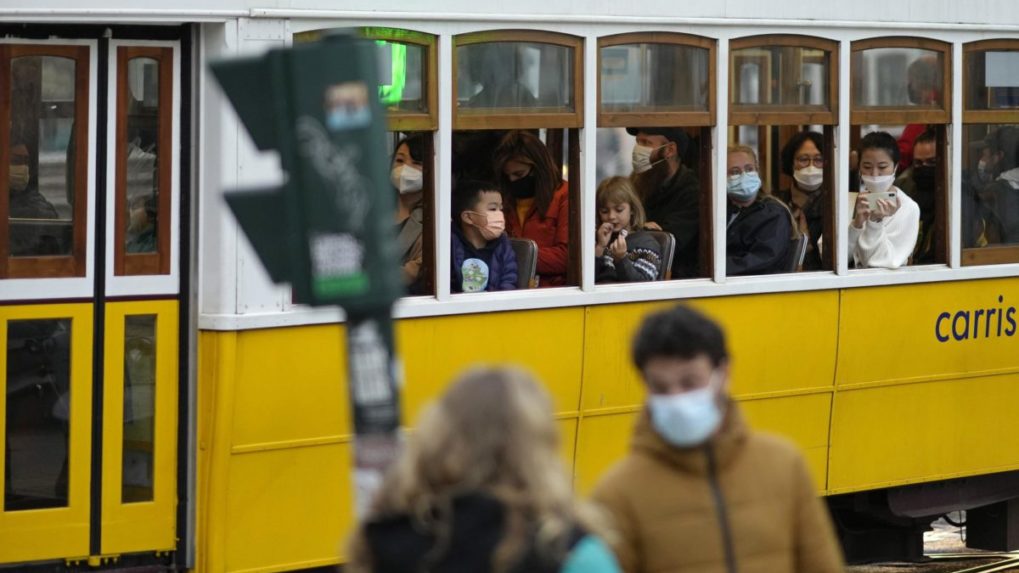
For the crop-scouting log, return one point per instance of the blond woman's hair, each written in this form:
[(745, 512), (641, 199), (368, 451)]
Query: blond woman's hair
[(492, 432), (617, 190)]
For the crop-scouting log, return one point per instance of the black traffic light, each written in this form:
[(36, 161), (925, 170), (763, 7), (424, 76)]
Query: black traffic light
[(328, 230)]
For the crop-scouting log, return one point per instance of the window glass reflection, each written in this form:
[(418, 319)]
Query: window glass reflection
[(139, 406), (898, 77), (402, 81), (642, 77), (992, 80), (37, 414), (990, 189), (142, 155), (781, 76), (42, 156), (514, 75)]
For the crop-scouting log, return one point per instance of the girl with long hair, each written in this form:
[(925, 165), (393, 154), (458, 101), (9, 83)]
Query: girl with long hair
[(480, 488)]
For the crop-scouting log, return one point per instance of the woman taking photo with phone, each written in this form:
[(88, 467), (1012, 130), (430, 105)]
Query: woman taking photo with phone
[(885, 222)]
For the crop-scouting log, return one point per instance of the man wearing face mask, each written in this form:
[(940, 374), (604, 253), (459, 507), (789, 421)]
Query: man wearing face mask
[(999, 199), (699, 490), (759, 229), (669, 190), (27, 203), (919, 182), (803, 160)]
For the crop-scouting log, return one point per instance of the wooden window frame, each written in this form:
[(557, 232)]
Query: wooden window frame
[(779, 114), (503, 118), (404, 120), (991, 254), (72, 265), (704, 118), (896, 115), (158, 263)]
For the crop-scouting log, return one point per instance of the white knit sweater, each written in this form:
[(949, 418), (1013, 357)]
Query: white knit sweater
[(888, 243)]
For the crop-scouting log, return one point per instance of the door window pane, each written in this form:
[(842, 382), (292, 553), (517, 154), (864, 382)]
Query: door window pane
[(993, 80), (41, 180), (402, 77), (990, 203), (780, 76), (524, 76), (142, 155), (38, 414), (139, 406), (898, 77), (642, 77)]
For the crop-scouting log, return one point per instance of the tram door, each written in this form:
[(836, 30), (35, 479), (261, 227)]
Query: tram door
[(89, 298)]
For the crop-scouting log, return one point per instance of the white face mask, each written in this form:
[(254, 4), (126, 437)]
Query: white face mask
[(687, 419), (406, 179), (642, 158), (877, 183), (809, 178)]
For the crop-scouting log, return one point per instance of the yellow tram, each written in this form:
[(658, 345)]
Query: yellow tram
[(166, 405)]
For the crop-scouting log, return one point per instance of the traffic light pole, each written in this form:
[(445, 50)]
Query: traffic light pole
[(373, 377)]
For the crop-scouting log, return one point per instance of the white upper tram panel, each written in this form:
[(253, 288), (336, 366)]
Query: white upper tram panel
[(993, 13)]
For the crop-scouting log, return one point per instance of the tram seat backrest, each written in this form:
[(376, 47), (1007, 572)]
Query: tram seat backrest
[(797, 252), (668, 245), (526, 251)]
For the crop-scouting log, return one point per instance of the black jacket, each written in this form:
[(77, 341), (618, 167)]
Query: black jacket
[(813, 212), (758, 237), (675, 206), (399, 545)]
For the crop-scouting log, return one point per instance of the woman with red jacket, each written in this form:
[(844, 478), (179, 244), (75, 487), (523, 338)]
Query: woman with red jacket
[(537, 202)]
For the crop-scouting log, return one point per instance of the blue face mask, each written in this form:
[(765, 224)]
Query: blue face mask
[(743, 187), (687, 419)]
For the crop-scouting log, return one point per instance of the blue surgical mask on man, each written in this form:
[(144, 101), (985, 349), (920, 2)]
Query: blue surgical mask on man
[(689, 418), (743, 187)]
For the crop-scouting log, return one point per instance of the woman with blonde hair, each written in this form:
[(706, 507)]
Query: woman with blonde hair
[(625, 253), (480, 488), (536, 200)]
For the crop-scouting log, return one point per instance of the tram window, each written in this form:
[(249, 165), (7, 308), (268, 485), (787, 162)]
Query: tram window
[(642, 78), (37, 415), (139, 407), (412, 168), (667, 170), (990, 209), (144, 169), (529, 170), (47, 137), (514, 76)]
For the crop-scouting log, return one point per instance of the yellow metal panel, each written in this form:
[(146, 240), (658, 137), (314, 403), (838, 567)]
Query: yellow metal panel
[(780, 344), (140, 526), (891, 333), (290, 387), (802, 419), (61, 532), (547, 342), (287, 508), (602, 440), (918, 432), (926, 385)]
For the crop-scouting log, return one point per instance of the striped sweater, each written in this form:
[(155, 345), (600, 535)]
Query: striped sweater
[(642, 262)]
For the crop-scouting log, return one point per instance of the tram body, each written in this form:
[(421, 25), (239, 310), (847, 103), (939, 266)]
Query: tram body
[(235, 455)]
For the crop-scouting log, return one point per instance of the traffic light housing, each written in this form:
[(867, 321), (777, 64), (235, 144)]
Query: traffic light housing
[(328, 230)]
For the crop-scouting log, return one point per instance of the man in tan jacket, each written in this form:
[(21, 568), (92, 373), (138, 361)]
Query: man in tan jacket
[(700, 491)]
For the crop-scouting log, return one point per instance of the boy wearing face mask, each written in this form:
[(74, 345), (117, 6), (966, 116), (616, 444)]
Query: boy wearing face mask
[(481, 257), (699, 490), (407, 177), (884, 230), (27, 203), (669, 190), (759, 229), (803, 160)]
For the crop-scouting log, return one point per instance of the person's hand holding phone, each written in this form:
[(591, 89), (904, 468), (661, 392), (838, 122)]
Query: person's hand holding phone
[(618, 246), (603, 237), (884, 205)]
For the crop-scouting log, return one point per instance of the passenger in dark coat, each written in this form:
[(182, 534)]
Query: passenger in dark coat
[(669, 190), (759, 233), (29, 240), (481, 256)]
